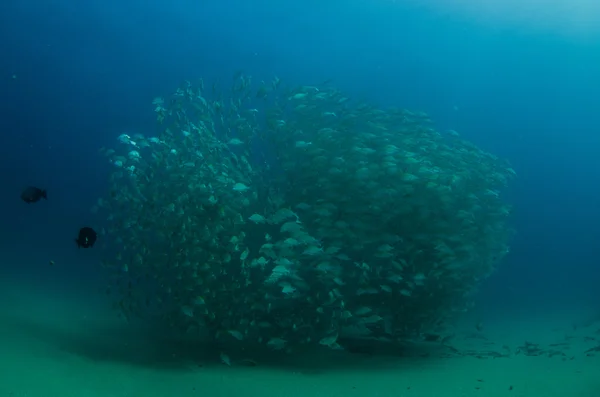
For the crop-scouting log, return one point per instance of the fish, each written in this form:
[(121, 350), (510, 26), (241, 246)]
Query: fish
[(431, 337), (240, 209), (33, 194), (86, 238)]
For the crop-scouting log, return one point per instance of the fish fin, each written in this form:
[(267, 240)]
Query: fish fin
[(44, 195)]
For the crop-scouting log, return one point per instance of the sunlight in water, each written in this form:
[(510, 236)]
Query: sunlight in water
[(568, 17)]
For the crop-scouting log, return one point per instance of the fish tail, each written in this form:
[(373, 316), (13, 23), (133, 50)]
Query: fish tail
[(44, 195)]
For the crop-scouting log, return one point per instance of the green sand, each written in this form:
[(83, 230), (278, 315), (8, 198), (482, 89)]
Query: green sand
[(56, 343)]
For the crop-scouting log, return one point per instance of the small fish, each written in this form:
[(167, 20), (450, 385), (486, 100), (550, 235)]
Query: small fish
[(236, 334), (225, 359), (329, 340), (188, 311), (240, 187), (33, 194), (300, 95), (257, 218), (235, 142), (431, 337), (479, 326), (86, 238)]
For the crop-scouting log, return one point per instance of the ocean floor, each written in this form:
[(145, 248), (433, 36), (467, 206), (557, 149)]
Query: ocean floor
[(58, 343)]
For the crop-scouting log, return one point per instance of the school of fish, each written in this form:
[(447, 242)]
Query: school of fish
[(286, 217)]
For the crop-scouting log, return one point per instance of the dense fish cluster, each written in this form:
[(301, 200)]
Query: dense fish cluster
[(286, 217)]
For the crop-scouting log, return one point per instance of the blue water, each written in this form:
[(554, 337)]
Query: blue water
[(76, 74)]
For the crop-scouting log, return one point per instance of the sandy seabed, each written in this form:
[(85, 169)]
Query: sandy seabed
[(56, 343)]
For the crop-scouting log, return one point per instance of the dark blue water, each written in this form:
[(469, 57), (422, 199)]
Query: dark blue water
[(74, 75)]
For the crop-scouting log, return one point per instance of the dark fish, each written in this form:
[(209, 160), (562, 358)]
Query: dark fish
[(33, 194), (431, 337), (86, 237)]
